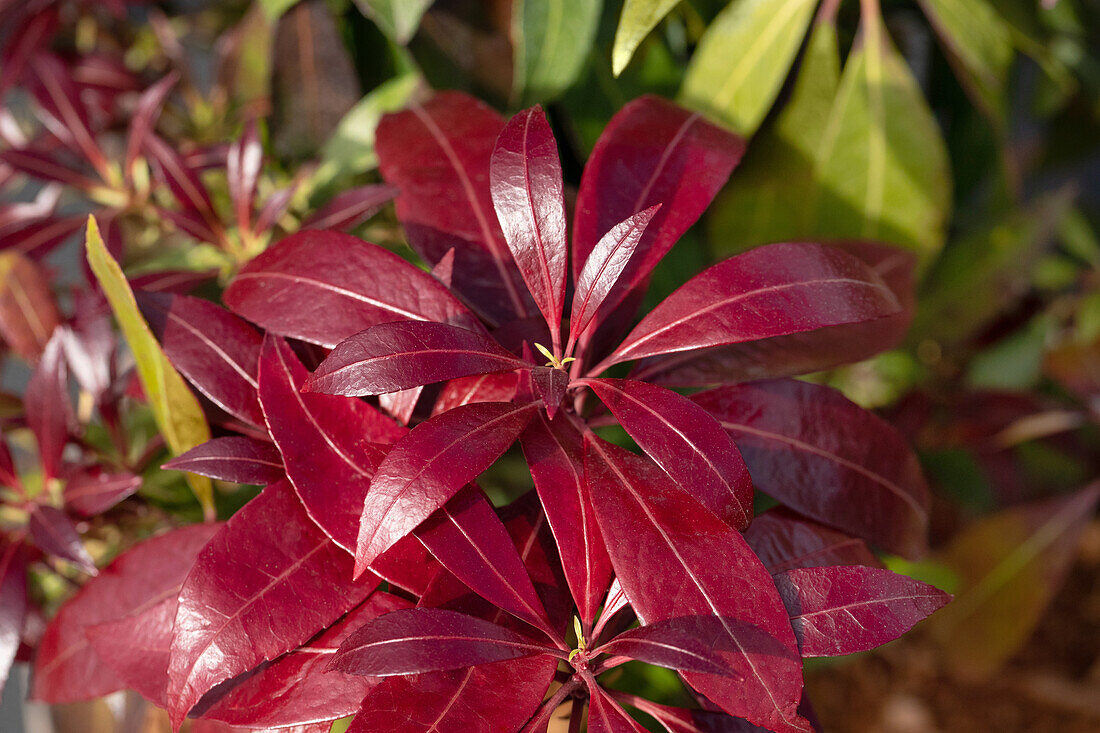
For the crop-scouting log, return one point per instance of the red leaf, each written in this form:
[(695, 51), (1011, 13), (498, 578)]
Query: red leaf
[(349, 209), (323, 287), (437, 154), (685, 720), (685, 441), (526, 186), (46, 167), (429, 465), (54, 533), (549, 385), (783, 540), (688, 643), (606, 716), (184, 182), (554, 452), (13, 603), (213, 348), (825, 457), (28, 315), (404, 354), (67, 668), (401, 405), (242, 169), (92, 491), (846, 609), (54, 90), (242, 603), (774, 290), (663, 546), (500, 387), (233, 458), (47, 405), (145, 116), (408, 565), (428, 640)]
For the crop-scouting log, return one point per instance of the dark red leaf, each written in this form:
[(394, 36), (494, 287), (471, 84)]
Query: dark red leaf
[(783, 540), (46, 401), (400, 405), (437, 154), (184, 182), (606, 716), (145, 116), (685, 441), (46, 167), (429, 465), (38, 239), (685, 720), (820, 454), (846, 609), (480, 388), (8, 476), (408, 565), (323, 287), (242, 170), (688, 643), (663, 545), (214, 349), (93, 491), (530, 532), (234, 458), (54, 533), (549, 384), (242, 603), (177, 282), (349, 209), (25, 41), (67, 117), (13, 603), (404, 354), (28, 314)]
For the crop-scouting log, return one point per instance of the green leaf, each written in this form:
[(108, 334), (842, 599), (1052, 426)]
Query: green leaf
[(551, 40), (175, 407), (274, 9), (979, 44), (639, 17), (398, 19), (743, 58)]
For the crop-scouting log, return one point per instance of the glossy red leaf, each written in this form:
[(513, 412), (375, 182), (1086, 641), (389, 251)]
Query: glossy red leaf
[(323, 287), (93, 491), (438, 154), (28, 313), (242, 605), (331, 446), (526, 185), (688, 643), (499, 387), (846, 609), (468, 539), (46, 401), (404, 354), (428, 640), (400, 405), (550, 385), (233, 458), (822, 455), (663, 546), (145, 116), (55, 534), (13, 603), (242, 169), (408, 565), (602, 269), (295, 688), (607, 716), (67, 668), (429, 465), (348, 209), (685, 441), (530, 532), (214, 349), (783, 540), (688, 720), (555, 454)]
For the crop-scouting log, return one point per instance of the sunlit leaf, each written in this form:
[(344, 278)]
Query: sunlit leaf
[(639, 17)]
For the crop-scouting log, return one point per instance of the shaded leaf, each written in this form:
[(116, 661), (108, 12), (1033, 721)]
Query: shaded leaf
[(13, 603), (233, 458), (54, 533), (606, 716), (783, 541), (677, 643), (92, 491), (349, 209), (398, 19), (499, 387), (28, 314), (551, 40)]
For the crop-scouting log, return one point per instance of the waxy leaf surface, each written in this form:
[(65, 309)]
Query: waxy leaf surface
[(783, 540), (233, 458)]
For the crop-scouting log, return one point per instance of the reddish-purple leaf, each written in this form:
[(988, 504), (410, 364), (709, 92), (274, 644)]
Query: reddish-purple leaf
[(145, 116), (438, 154), (554, 451), (45, 166), (46, 401), (825, 457), (468, 539), (275, 206), (242, 170), (480, 388), (770, 291), (184, 182), (24, 41), (783, 540), (444, 270), (243, 602), (92, 491), (686, 720), (530, 532), (66, 116), (663, 545), (8, 476), (688, 643), (323, 287), (295, 689), (38, 239), (393, 356), (408, 565), (28, 314), (400, 405), (602, 269), (607, 716), (349, 209), (685, 441), (330, 445), (54, 533), (233, 458), (214, 349), (526, 185), (428, 640), (13, 603), (549, 384), (429, 465), (846, 609), (67, 668)]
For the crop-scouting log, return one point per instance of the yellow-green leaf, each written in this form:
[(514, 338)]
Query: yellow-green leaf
[(638, 18), (743, 58), (177, 412), (551, 41), (398, 19)]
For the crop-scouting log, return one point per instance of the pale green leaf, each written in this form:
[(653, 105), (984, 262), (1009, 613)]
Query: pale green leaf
[(743, 58), (551, 40), (174, 406), (274, 9), (398, 19), (638, 18)]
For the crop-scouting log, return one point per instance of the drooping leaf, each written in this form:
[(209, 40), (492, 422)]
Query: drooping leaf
[(323, 287), (46, 401), (92, 491), (783, 541), (398, 19), (241, 603), (175, 408), (684, 440), (686, 643), (429, 465), (551, 40), (403, 354), (55, 534), (607, 716), (13, 603), (822, 455), (743, 58), (28, 314), (638, 18), (233, 458)]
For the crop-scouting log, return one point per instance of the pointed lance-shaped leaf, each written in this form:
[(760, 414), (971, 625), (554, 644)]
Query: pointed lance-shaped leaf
[(28, 313), (526, 185), (46, 167), (182, 180), (323, 287), (827, 458), (404, 354), (550, 385), (498, 387), (46, 402), (783, 540), (233, 458), (349, 209), (688, 643), (401, 405), (13, 603), (92, 491), (846, 609), (242, 603), (145, 117), (242, 169), (54, 89), (530, 532), (685, 441), (607, 716), (429, 465), (55, 534), (663, 544)]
